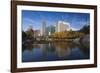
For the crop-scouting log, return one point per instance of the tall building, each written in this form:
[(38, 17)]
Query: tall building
[(50, 30), (43, 28), (62, 26)]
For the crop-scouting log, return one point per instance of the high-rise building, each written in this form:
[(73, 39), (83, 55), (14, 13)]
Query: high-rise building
[(50, 30), (43, 28), (62, 26)]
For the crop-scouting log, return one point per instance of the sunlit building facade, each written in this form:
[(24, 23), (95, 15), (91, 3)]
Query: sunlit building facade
[(62, 26)]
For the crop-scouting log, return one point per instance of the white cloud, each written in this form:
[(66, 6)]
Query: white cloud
[(74, 29)]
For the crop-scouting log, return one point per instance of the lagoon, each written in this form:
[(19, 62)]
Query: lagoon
[(54, 51)]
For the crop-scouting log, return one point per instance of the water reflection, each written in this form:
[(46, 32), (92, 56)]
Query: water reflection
[(54, 51)]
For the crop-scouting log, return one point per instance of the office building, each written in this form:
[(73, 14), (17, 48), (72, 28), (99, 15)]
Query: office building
[(62, 26)]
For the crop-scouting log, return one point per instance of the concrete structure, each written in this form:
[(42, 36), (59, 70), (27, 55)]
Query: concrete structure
[(62, 26)]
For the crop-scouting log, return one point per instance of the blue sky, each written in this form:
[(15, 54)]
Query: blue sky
[(35, 18)]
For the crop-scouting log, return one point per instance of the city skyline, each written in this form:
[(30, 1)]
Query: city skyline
[(35, 18)]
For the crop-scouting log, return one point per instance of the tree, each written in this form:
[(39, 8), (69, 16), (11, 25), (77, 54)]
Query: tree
[(24, 36), (30, 34), (67, 35), (85, 29)]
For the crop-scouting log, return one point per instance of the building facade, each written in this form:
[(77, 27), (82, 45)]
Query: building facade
[(62, 26), (43, 29), (50, 30)]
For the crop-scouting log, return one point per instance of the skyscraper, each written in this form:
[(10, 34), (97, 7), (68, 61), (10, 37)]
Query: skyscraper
[(50, 30), (43, 28)]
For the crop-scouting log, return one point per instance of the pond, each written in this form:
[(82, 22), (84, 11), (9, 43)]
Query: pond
[(54, 51)]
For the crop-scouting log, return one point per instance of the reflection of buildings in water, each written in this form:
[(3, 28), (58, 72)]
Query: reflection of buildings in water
[(59, 49), (62, 49), (47, 49), (42, 48), (63, 52), (53, 51)]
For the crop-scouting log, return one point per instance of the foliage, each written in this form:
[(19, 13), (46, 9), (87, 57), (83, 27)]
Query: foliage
[(24, 35), (85, 29), (28, 36), (67, 35)]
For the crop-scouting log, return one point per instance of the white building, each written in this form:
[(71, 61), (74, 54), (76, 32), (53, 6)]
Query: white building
[(62, 26)]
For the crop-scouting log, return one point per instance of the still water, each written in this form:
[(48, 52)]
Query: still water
[(54, 51)]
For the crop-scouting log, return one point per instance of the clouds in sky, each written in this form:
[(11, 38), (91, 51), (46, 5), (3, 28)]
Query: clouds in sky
[(35, 18)]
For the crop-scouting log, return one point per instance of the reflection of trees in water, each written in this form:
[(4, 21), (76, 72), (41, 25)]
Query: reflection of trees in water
[(85, 49), (27, 47), (30, 46), (46, 49), (61, 49)]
